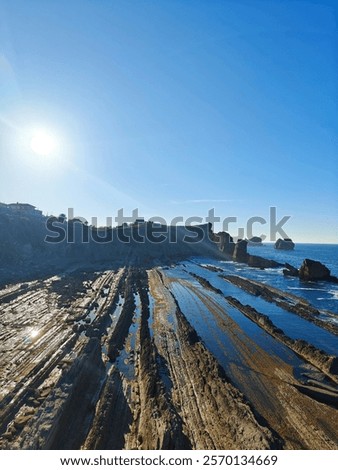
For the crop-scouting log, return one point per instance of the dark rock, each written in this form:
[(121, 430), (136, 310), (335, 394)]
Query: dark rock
[(241, 255), (262, 263), (255, 241), (290, 270), (286, 244), (212, 268), (225, 242), (205, 283), (81, 328), (240, 251), (93, 333), (314, 271)]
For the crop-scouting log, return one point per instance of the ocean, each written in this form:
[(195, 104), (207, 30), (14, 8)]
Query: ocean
[(323, 295), (326, 254)]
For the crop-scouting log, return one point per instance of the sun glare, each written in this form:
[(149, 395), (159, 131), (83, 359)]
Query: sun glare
[(43, 142)]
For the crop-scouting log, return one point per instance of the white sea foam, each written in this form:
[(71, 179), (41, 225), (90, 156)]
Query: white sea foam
[(334, 294), (307, 288)]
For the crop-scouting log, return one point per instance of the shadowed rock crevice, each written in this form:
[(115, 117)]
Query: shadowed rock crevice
[(113, 417)]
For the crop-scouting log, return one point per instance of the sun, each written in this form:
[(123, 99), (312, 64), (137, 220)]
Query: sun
[(43, 142)]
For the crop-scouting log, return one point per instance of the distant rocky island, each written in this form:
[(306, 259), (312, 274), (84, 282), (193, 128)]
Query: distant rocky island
[(255, 241), (284, 244)]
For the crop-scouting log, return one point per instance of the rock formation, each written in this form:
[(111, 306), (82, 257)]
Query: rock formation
[(225, 242), (312, 270), (290, 270), (286, 244), (242, 256), (261, 263), (287, 301), (255, 241), (325, 362), (240, 251)]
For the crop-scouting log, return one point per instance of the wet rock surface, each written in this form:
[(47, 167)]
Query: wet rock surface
[(287, 301), (109, 360), (324, 362), (261, 374)]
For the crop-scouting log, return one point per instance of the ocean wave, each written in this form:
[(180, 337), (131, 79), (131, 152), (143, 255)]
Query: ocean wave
[(308, 288), (334, 294)]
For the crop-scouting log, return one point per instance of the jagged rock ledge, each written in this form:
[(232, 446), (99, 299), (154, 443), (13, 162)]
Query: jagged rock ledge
[(205, 283), (241, 255), (289, 302), (324, 362), (64, 419)]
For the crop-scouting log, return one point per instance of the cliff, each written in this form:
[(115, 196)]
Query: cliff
[(32, 245)]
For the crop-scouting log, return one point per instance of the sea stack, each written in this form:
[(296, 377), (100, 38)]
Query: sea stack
[(286, 244), (312, 270), (225, 242), (255, 241), (240, 251)]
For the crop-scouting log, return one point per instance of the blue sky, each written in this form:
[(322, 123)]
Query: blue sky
[(174, 107)]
